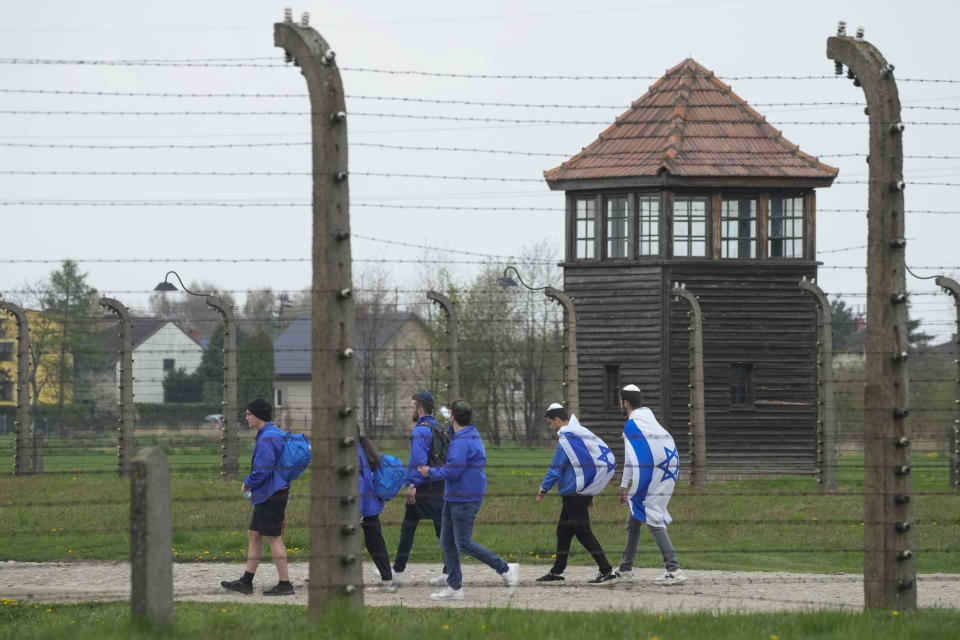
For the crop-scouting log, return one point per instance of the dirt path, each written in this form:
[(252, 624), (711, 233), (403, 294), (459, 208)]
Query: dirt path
[(716, 591)]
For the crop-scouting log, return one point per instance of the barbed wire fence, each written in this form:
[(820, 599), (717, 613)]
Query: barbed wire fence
[(81, 446)]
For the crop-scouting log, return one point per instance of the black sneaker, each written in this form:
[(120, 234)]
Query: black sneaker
[(551, 577), (237, 585), (604, 578), (282, 589)]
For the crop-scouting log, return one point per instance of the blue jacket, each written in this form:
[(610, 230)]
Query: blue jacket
[(263, 480), (370, 504), (463, 472), (420, 440), (561, 474)]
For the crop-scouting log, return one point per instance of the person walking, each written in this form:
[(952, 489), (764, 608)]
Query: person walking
[(424, 497), (269, 493), (465, 487), (582, 466), (650, 471), (371, 506)]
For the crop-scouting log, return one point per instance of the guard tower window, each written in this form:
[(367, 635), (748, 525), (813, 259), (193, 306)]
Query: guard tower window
[(618, 216), (611, 386), (690, 226), (585, 232), (741, 385), (648, 224), (785, 233), (739, 228)]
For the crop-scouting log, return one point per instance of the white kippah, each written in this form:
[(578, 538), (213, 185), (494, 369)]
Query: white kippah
[(631, 387), (555, 405)]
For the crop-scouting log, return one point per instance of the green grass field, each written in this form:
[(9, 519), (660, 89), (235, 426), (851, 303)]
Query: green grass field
[(228, 621), (80, 510)]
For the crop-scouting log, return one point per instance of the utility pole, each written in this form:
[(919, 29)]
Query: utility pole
[(890, 573), (23, 423), (826, 416), (571, 379), (453, 343), (335, 571), (230, 431), (698, 419), (950, 286), (125, 426)]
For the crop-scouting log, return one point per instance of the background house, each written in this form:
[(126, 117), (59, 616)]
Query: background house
[(393, 359), (691, 185), (159, 347), (47, 360)]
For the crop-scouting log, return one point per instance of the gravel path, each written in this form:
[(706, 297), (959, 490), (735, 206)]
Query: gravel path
[(715, 591)]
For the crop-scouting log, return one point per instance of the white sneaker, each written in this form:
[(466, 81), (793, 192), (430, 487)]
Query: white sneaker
[(671, 577), (512, 577), (385, 586), (626, 576), (439, 580), (448, 594), (398, 578)]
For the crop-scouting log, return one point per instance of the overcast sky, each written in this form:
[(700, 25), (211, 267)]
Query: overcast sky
[(638, 41)]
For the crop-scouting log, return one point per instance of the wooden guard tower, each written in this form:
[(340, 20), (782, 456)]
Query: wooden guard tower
[(692, 186)]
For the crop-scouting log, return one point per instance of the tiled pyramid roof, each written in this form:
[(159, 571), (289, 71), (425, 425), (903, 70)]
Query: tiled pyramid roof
[(689, 125)]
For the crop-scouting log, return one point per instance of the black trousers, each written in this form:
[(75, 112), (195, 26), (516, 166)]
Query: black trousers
[(376, 545), (429, 506), (575, 521)]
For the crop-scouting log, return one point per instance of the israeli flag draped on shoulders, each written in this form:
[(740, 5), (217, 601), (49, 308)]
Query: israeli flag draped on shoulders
[(650, 469), (591, 459)]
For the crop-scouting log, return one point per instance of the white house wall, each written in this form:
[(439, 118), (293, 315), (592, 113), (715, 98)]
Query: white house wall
[(169, 342)]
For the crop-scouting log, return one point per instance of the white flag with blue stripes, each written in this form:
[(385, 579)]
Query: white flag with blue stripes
[(592, 460)]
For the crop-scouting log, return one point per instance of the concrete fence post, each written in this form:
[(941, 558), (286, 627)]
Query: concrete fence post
[(453, 343), (151, 537), (22, 426), (826, 416), (125, 426), (889, 566), (698, 418), (571, 378), (335, 570)]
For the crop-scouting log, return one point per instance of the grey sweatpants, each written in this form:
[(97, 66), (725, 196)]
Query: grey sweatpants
[(634, 527)]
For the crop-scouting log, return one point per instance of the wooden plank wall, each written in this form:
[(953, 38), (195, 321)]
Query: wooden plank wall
[(753, 312)]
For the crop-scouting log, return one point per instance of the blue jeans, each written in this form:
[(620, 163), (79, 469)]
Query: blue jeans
[(456, 537)]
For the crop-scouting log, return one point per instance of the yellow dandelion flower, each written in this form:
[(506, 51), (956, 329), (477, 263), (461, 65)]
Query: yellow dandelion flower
[(446, 627), (895, 613)]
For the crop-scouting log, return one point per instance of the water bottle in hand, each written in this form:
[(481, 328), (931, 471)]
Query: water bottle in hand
[(247, 494)]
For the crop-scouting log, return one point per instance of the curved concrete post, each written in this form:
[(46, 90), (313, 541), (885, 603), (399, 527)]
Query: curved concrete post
[(890, 574), (950, 286), (125, 426), (571, 380), (230, 431), (826, 416), (453, 343), (23, 423), (334, 535), (698, 419)]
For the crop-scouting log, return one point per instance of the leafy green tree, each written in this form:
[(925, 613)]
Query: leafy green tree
[(68, 305), (256, 367)]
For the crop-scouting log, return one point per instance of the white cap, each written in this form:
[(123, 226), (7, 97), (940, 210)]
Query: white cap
[(631, 387), (555, 405)]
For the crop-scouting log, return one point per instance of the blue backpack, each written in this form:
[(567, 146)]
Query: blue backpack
[(388, 477), (295, 457)]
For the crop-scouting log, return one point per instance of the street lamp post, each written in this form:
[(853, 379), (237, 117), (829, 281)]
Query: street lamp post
[(229, 432), (571, 381)]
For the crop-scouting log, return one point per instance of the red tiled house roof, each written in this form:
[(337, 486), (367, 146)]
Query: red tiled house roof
[(690, 129)]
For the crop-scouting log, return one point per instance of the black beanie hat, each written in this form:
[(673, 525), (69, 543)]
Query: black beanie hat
[(261, 409)]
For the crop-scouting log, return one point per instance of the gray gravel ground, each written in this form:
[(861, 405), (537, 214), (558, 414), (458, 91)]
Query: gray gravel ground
[(714, 591)]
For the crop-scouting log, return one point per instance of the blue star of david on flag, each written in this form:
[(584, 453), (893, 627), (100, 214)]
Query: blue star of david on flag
[(604, 456), (665, 465)]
